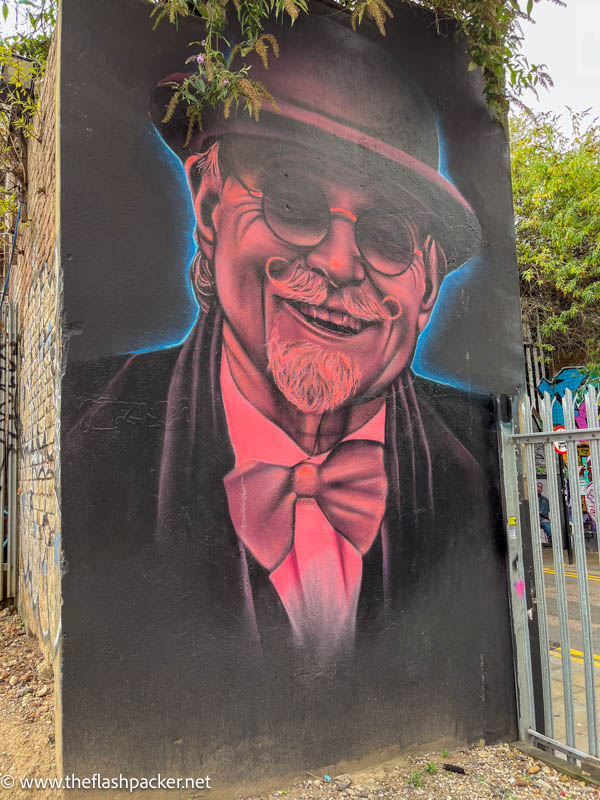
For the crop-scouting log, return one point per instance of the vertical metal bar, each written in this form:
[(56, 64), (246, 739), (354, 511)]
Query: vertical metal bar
[(591, 407), (582, 579), (561, 591), (538, 569), (3, 379), (524, 679)]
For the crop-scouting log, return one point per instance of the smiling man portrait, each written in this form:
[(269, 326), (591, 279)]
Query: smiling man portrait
[(317, 282), (321, 248), (315, 526)]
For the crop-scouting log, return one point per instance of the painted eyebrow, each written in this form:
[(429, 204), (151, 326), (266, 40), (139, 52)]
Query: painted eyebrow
[(344, 212)]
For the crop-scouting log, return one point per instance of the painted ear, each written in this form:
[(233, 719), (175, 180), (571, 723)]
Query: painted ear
[(205, 185), (436, 266)]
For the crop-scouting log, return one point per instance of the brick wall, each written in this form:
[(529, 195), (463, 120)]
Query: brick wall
[(35, 291)]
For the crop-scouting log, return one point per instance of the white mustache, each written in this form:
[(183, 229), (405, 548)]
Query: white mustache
[(295, 281)]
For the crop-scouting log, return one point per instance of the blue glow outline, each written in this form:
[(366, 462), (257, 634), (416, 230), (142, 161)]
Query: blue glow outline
[(442, 152), (444, 305), (165, 155), (421, 364), (446, 300)]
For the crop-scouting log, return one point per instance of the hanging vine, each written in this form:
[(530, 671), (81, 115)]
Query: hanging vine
[(220, 74), (23, 55), (493, 31)]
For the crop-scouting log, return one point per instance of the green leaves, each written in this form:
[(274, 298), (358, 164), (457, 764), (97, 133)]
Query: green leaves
[(377, 10), (556, 190), (214, 80), (23, 57), (217, 77), (492, 30)]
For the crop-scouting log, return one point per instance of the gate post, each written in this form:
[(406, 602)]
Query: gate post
[(516, 574)]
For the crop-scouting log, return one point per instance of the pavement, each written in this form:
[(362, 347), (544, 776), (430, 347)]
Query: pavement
[(576, 643)]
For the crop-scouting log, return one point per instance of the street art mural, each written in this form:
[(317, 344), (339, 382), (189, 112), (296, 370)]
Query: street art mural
[(578, 381), (289, 534), (38, 517), (586, 486)]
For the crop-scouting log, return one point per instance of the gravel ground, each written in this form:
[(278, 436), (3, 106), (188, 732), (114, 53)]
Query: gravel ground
[(498, 771), (26, 707)]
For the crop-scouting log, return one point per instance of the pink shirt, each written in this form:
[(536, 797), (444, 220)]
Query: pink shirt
[(319, 579)]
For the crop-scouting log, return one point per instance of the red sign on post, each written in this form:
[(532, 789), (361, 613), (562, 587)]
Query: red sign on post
[(560, 447)]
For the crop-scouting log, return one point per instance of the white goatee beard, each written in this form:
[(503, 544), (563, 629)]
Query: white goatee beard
[(311, 378)]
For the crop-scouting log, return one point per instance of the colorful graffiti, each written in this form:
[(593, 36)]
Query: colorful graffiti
[(586, 486), (577, 380), (290, 506)]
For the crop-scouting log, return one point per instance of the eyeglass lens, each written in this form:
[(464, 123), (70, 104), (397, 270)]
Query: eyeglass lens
[(297, 212)]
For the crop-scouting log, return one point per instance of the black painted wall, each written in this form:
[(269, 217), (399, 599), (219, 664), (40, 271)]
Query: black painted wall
[(166, 668)]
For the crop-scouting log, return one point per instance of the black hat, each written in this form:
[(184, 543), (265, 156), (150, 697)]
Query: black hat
[(346, 96)]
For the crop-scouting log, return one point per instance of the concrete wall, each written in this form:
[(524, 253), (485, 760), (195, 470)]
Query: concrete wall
[(201, 632), (35, 290)]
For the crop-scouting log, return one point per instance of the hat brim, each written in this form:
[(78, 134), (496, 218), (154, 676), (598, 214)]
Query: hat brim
[(436, 205)]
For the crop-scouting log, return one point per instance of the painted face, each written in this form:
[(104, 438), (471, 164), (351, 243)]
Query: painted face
[(320, 276)]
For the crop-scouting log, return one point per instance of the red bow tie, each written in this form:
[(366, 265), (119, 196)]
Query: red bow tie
[(350, 487)]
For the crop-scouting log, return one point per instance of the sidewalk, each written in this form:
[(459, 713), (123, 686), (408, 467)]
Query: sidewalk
[(579, 706), (593, 563), (576, 660)]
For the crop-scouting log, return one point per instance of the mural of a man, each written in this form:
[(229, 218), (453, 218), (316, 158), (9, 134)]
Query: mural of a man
[(321, 249), (318, 280), (304, 529)]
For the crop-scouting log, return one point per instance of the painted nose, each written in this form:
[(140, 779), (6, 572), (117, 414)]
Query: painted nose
[(337, 257)]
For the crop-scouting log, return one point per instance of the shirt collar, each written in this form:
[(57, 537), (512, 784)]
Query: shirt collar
[(254, 437)]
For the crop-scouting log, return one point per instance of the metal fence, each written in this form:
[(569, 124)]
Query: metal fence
[(8, 451), (553, 618)]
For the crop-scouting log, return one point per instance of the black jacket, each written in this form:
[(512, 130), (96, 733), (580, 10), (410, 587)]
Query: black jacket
[(154, 589)]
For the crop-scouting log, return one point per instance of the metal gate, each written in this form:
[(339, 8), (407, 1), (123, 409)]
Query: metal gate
[(553, 619), (8, 451)]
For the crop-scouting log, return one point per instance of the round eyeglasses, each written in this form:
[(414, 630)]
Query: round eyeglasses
[(297, 212)]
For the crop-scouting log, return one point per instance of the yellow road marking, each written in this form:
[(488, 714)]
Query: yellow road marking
[(572, 574), (576, 655)]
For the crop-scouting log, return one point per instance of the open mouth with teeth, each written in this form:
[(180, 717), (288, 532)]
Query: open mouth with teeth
[(335, 321)]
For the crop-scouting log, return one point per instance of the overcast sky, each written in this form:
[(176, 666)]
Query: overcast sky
[(568, 41)]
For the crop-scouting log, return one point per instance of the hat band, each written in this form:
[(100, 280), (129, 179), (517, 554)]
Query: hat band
[(378, 146), (345, 132)]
